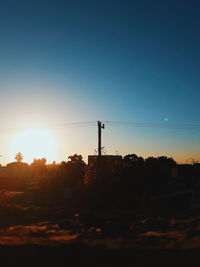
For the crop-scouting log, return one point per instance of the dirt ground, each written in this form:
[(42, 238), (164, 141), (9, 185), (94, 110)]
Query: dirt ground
[(40, 235)]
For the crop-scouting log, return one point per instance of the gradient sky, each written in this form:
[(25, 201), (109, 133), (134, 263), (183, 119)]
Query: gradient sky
[(71, 61)]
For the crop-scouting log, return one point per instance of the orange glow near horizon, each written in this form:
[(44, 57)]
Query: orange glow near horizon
[(34, 143)]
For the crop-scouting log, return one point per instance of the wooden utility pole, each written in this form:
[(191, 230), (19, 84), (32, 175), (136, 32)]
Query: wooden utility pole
[(100, 126)]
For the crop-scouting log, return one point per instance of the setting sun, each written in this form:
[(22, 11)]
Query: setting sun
[(34, 143)]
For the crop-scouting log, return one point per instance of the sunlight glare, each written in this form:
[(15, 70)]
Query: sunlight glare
[(34, 143)]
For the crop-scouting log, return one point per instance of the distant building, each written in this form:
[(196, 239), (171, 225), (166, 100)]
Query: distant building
[(114, 158)]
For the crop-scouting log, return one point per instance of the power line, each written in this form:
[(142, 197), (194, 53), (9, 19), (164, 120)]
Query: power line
[(154, 125), (53, 126), (109, 123), (71, 125)]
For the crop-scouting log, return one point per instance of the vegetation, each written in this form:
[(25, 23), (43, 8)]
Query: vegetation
[(132, 183), (19, 157)]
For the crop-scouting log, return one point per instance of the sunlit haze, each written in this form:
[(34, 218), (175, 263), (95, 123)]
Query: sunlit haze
[(34, 143)]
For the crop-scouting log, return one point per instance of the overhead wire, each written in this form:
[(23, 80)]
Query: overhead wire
[(154, 125), (110, 123), (53, 126)]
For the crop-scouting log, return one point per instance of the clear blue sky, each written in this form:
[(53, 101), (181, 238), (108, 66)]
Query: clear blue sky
[(68, 61)]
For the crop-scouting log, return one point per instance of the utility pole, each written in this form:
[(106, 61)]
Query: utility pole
[(100, 127)]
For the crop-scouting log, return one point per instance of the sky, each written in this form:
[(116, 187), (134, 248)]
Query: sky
[(78, 61)]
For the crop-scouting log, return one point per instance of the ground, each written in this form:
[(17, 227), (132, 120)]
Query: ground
[(32, 235)]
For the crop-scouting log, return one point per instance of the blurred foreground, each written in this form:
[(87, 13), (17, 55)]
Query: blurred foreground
[(32, 234)]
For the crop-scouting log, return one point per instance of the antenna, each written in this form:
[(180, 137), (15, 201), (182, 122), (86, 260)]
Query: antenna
[(191, 160)]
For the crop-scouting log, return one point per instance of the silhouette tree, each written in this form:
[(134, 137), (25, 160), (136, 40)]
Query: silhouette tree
[(19, 157), (133, 158), (38, 166), (39, 162), (76, 159), (160, 161)]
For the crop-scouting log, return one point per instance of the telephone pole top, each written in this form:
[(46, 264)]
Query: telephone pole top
[(100, 127)]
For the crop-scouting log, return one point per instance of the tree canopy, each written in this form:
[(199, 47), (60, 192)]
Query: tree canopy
[(19, 157)]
